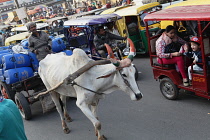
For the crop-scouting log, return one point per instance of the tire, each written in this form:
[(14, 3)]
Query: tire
[(136, 73), (23, 106), (7, 91), (169, 89)]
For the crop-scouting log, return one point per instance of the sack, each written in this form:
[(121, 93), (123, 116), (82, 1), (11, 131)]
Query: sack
[(173, 47)]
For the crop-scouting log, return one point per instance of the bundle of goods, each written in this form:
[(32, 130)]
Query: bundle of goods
[(17, 67)]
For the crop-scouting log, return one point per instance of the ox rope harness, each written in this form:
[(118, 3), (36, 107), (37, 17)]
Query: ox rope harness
[(127, 83), (72, 83)]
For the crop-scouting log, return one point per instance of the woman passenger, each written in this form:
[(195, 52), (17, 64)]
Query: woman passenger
[(165, 39)]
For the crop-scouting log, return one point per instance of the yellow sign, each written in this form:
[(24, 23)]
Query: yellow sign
[(198, 79)]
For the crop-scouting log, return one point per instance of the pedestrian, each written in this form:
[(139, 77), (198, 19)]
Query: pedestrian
[(39, 42), (11, 123)]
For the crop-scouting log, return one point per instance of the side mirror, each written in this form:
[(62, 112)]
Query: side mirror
[(124, 31)]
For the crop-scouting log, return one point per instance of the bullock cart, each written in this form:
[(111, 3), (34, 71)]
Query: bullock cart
[(19, 79), (80, 32)]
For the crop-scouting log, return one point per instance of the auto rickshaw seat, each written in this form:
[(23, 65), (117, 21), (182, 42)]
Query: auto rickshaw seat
[(78, 41), (165, 66)]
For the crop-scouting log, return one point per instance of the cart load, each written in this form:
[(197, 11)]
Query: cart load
[(16, 67)]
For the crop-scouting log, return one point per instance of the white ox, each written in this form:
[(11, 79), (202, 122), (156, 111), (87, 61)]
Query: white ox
[(101, 79)]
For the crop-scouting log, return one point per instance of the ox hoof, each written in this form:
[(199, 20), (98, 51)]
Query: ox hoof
[(66, 130), (102, 138), (69, 119)]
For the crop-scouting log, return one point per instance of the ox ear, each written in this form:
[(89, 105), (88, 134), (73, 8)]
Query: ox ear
[(107, 74)]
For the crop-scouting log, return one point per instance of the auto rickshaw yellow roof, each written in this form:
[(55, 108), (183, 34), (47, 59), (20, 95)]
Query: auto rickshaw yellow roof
[(112, 10), (164, 24), (135, 10), (16, 37), (190, 2)]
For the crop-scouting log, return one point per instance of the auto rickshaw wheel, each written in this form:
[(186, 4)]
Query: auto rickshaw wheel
[(23, 106), (7, 91), (169, 89)]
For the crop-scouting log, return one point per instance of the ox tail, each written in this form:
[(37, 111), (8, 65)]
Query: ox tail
[(61, 104)]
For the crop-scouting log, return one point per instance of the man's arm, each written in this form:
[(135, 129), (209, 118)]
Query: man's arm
[(113, 36), (31, 45)]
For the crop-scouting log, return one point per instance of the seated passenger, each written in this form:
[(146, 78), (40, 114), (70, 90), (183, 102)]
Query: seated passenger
[(103, 37), (195, 55), (165, 39)]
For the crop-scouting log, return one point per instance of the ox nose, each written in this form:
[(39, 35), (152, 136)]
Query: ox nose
[(138, 96)]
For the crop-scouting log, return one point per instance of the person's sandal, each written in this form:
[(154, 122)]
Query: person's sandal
[(186, 83)]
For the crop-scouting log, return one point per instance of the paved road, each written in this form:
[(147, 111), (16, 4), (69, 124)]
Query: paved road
[(152, 118)]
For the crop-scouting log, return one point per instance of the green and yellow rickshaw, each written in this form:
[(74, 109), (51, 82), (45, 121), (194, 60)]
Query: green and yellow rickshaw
[(132, 24)]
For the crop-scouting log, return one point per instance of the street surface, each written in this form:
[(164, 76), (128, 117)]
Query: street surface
[(151, 118)]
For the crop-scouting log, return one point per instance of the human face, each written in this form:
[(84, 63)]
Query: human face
[(195, 47), (33, 28), (102, 32), (171, 33)]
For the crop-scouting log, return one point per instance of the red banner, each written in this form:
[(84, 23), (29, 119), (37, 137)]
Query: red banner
[(4, 1)]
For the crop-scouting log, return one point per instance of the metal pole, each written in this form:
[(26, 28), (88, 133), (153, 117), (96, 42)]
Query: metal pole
[(17, 4)]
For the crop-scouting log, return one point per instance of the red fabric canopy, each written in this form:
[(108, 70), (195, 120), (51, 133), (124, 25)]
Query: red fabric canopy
[(194, 12)]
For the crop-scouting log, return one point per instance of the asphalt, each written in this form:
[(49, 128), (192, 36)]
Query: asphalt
[(151, 118)]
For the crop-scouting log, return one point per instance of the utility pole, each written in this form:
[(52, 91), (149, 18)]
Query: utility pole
[(17, 4), (25, 9)]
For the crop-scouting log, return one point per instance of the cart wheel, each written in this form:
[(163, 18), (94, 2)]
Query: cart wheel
[(23, 106), (7, 91), (169, 89), (136, 73)]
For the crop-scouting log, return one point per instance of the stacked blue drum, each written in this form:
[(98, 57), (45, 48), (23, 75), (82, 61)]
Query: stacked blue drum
[(18, 67), (58, 45)]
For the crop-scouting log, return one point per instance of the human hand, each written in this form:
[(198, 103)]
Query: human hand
[(186, 48), (176, 54), (194, 61), (36, 51)]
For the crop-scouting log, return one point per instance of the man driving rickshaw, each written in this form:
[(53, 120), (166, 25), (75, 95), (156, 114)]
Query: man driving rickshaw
[(103, 37)]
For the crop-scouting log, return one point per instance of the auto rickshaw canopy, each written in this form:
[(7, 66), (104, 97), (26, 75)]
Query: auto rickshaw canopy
[(92, 20), (164, 24), (114, 9), (17, 37), (135, 10), (24, 28), (194, 12)]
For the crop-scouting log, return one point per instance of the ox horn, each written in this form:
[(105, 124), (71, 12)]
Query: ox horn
[(111, 54), (132, 49)]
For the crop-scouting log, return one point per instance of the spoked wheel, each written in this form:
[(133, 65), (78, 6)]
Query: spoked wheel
[(169, 89), (23, 106), (7, 91)]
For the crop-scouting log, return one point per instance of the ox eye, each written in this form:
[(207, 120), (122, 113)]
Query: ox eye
[(124, 75)]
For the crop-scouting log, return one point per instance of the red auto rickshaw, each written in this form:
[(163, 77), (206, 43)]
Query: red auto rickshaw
[(196, 21)]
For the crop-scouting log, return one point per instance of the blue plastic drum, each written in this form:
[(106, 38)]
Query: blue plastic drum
[(34, 61), (58, 45), (15, 61), (68, 52), (17, 74)]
